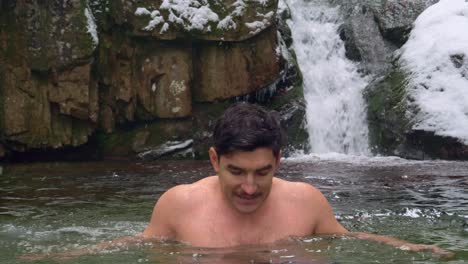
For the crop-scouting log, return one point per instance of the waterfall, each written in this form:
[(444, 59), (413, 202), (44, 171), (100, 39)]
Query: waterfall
[(336, 111)]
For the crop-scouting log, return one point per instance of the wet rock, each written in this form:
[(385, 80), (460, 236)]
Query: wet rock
[(388, 123), (128, 143), (395, 18), (225, 70), (140, 141), (165, 149), (293, 120), (373, 30), (363, 41)]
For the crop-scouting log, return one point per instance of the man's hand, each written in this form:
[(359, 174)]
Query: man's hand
[(403, 245), (116, 244)]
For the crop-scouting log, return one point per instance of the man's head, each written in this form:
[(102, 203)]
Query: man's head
[(246, 154), (245, 127)]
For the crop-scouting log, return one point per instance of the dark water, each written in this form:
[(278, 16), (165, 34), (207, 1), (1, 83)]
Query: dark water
[(54, 207)]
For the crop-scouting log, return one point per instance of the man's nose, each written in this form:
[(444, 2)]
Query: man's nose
[(249, 186)]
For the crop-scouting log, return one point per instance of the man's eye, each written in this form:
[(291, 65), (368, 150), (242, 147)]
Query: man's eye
[(262, 173), (236, 172)]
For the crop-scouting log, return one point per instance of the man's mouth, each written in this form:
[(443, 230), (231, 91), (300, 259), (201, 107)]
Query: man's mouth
[(249, 197)]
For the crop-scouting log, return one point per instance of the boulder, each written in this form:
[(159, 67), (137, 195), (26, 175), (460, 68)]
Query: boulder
[(373, 30), (395, 18)]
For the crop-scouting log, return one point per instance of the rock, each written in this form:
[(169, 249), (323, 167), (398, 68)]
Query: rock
[(165, 80), (373, 30), (38, 113), (60, 80), (391, 129), (72, 93), (363, 41), (293, 119), (396, 17), (47, 97), (2, 152), (127, 143), (140, 140), (229, 20), (165, 149), (58, 33), (227, 70), (388, 123)]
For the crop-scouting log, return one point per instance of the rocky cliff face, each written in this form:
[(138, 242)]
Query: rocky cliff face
[(48, 98), (71, 68)]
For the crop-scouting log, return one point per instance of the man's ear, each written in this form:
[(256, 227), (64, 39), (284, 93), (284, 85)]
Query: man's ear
[(214, 159), (278, 159)]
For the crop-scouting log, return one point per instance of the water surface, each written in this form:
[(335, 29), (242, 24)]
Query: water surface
[(54, 207)]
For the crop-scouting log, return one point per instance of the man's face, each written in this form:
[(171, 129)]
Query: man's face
[(245, 177)]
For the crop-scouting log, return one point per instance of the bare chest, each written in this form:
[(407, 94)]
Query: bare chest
[(213, 229)]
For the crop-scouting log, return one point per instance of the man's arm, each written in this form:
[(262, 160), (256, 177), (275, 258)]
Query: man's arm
[(327, 224), (160, 227), (162, 221)]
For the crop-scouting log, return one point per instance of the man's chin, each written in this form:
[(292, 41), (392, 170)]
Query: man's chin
[(247, 206)]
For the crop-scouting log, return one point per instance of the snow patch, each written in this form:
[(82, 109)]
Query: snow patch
[(92, 27), (436, 55), (197, 15)]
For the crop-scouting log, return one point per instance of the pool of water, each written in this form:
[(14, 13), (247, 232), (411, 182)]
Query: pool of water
[(55, 207)]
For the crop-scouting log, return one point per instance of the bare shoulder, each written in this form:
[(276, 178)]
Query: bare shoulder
[(301, 190), (187, 195), (174, 205)]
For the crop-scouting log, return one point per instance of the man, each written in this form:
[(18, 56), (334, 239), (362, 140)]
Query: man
[(244, 203)]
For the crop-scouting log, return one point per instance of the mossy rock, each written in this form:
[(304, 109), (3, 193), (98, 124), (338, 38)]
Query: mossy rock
[(387, 106)]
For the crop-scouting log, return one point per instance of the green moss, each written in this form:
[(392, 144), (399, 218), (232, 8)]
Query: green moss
[(79, 22), (387, 107), (296, 93)]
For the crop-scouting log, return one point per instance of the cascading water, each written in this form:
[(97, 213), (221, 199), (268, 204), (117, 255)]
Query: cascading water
[(336, 112)]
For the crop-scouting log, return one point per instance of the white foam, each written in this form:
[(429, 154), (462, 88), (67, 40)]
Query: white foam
[(336, 112)]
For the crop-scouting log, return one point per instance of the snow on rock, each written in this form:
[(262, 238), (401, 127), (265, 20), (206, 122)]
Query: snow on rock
[(199, 15), (436, 56), (258, 26), (187, 13), (92, 27)]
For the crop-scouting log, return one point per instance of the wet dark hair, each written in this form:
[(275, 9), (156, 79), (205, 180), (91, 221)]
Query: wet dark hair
[(245, 127)]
